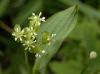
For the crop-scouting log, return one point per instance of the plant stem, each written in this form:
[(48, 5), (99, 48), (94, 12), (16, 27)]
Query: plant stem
[(5, 27), (26, 59)]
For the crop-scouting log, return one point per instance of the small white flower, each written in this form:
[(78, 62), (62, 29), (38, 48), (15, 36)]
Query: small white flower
[(24, 36), (38, 24), (48, 38), (40, 14), (35, 17), (35, 33), (33, 14), (23, 31), (23, 44), (53, 35), (20, 39), (27, 42), (37, 55), (43, 51), (33, 37), (13, 34), (29, 49), (17, 29), (33, 46), (93, 55), (34, 41), (43, 19), (15, 39), (31, 28)]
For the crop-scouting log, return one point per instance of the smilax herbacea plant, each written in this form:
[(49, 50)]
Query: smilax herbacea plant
[(31, 38)]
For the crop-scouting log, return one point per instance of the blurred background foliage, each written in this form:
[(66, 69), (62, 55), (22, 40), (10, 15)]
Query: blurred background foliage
[(73, 55)]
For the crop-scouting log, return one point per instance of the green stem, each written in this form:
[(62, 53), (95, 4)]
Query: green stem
[(5, 27), (26, 59)]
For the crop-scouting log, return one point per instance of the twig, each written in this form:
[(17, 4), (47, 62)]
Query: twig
[(5, 27)]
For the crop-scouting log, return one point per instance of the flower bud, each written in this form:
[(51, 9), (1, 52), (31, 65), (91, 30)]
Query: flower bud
[(93, 55)]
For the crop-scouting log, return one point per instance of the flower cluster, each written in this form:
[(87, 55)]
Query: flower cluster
[(29, 36)]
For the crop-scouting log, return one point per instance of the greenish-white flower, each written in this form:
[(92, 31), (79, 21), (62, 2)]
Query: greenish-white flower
[(29, 37), (17, 33)]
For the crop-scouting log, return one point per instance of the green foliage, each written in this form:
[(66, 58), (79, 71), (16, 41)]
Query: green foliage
[(71, 67), (31, 40), (64, 22), (68, 52), (87, 10)]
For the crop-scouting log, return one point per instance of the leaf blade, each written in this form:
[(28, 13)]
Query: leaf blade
[(66, 21)]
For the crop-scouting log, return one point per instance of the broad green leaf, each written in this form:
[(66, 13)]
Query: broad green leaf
[(86, 9), (70, 67), (60, 24)]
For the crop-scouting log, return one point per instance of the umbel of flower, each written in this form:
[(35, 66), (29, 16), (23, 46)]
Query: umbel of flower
[(29, 37)]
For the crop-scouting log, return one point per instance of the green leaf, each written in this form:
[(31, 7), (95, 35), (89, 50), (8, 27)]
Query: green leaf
[(60, 24), (77, 33), (89, 39), (88, 34), (87, 31), (86, 9), (70, 67)]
